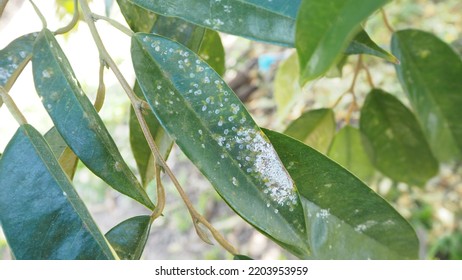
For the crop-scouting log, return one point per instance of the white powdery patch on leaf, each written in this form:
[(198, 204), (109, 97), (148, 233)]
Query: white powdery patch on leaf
[(268, 168)]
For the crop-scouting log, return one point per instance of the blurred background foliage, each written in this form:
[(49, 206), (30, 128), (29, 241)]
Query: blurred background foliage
[(435, 211)]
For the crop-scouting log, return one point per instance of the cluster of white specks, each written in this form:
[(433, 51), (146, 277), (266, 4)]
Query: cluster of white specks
[(323, 214), (235, 181), (215, 23), (46, 73), (365, 226)]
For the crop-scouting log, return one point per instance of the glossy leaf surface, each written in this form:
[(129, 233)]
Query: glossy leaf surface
[(348, 150), (345, 218), (324, 30), (430, 72), (13, 58), (363, 44), (268, 21), (213, 128), (316, 128), (41, 214), (397, 145), (129, 237), (77, 121)]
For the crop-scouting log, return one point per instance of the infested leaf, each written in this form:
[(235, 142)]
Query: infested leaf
[(77, 121), (345, 219), (219, 134)]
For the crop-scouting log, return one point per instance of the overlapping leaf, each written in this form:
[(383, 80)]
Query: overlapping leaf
[(41, 214), (213, 128), (129, 237), (76, 119), (397, 145), (348, 150), (324, 30), (286, 85), (316, 128), (345, 218), (267, 21), (13, 59), (430, 72), (66, 158)]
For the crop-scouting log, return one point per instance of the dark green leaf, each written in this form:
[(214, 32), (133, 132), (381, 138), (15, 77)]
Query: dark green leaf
[(363, 44), (241, 258), (66, 158), (13, 59), (76, 119), (347, 150), (430, 73), (213, 128), (139, 19), (397, 145), (324, 29), (345, 218), (129, 237), (41, 214), (268, 21), (316, 128)]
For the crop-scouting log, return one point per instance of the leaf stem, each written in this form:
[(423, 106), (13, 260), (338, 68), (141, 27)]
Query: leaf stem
[(386, 21), (14, 110), (72, 23), (160, 196), (114, 23), (137, 104), (40, 15)]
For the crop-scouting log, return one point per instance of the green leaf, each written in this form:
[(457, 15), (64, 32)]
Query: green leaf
[(324, 29), (363, 44), (13, 58), (41, 214), (213, 128), (397, 145), (139, 19), (287, 89), (66, 158), (129, 237), (241, 258), (212, 51), (316, 128), (268, 21), (347, 150), (430, 73), (345, 218), (77, 121)]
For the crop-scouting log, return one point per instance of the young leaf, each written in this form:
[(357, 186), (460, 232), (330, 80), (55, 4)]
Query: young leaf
[(212, 51), (316, 128), (66, 158), (77, 121), (324, 29), (41, 214), (129, 237), (286, 85), (430, 73), (397, 145), (139, 19), (213, 128), (345, 218), (13, 59), (347, 150), (268, 21)]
